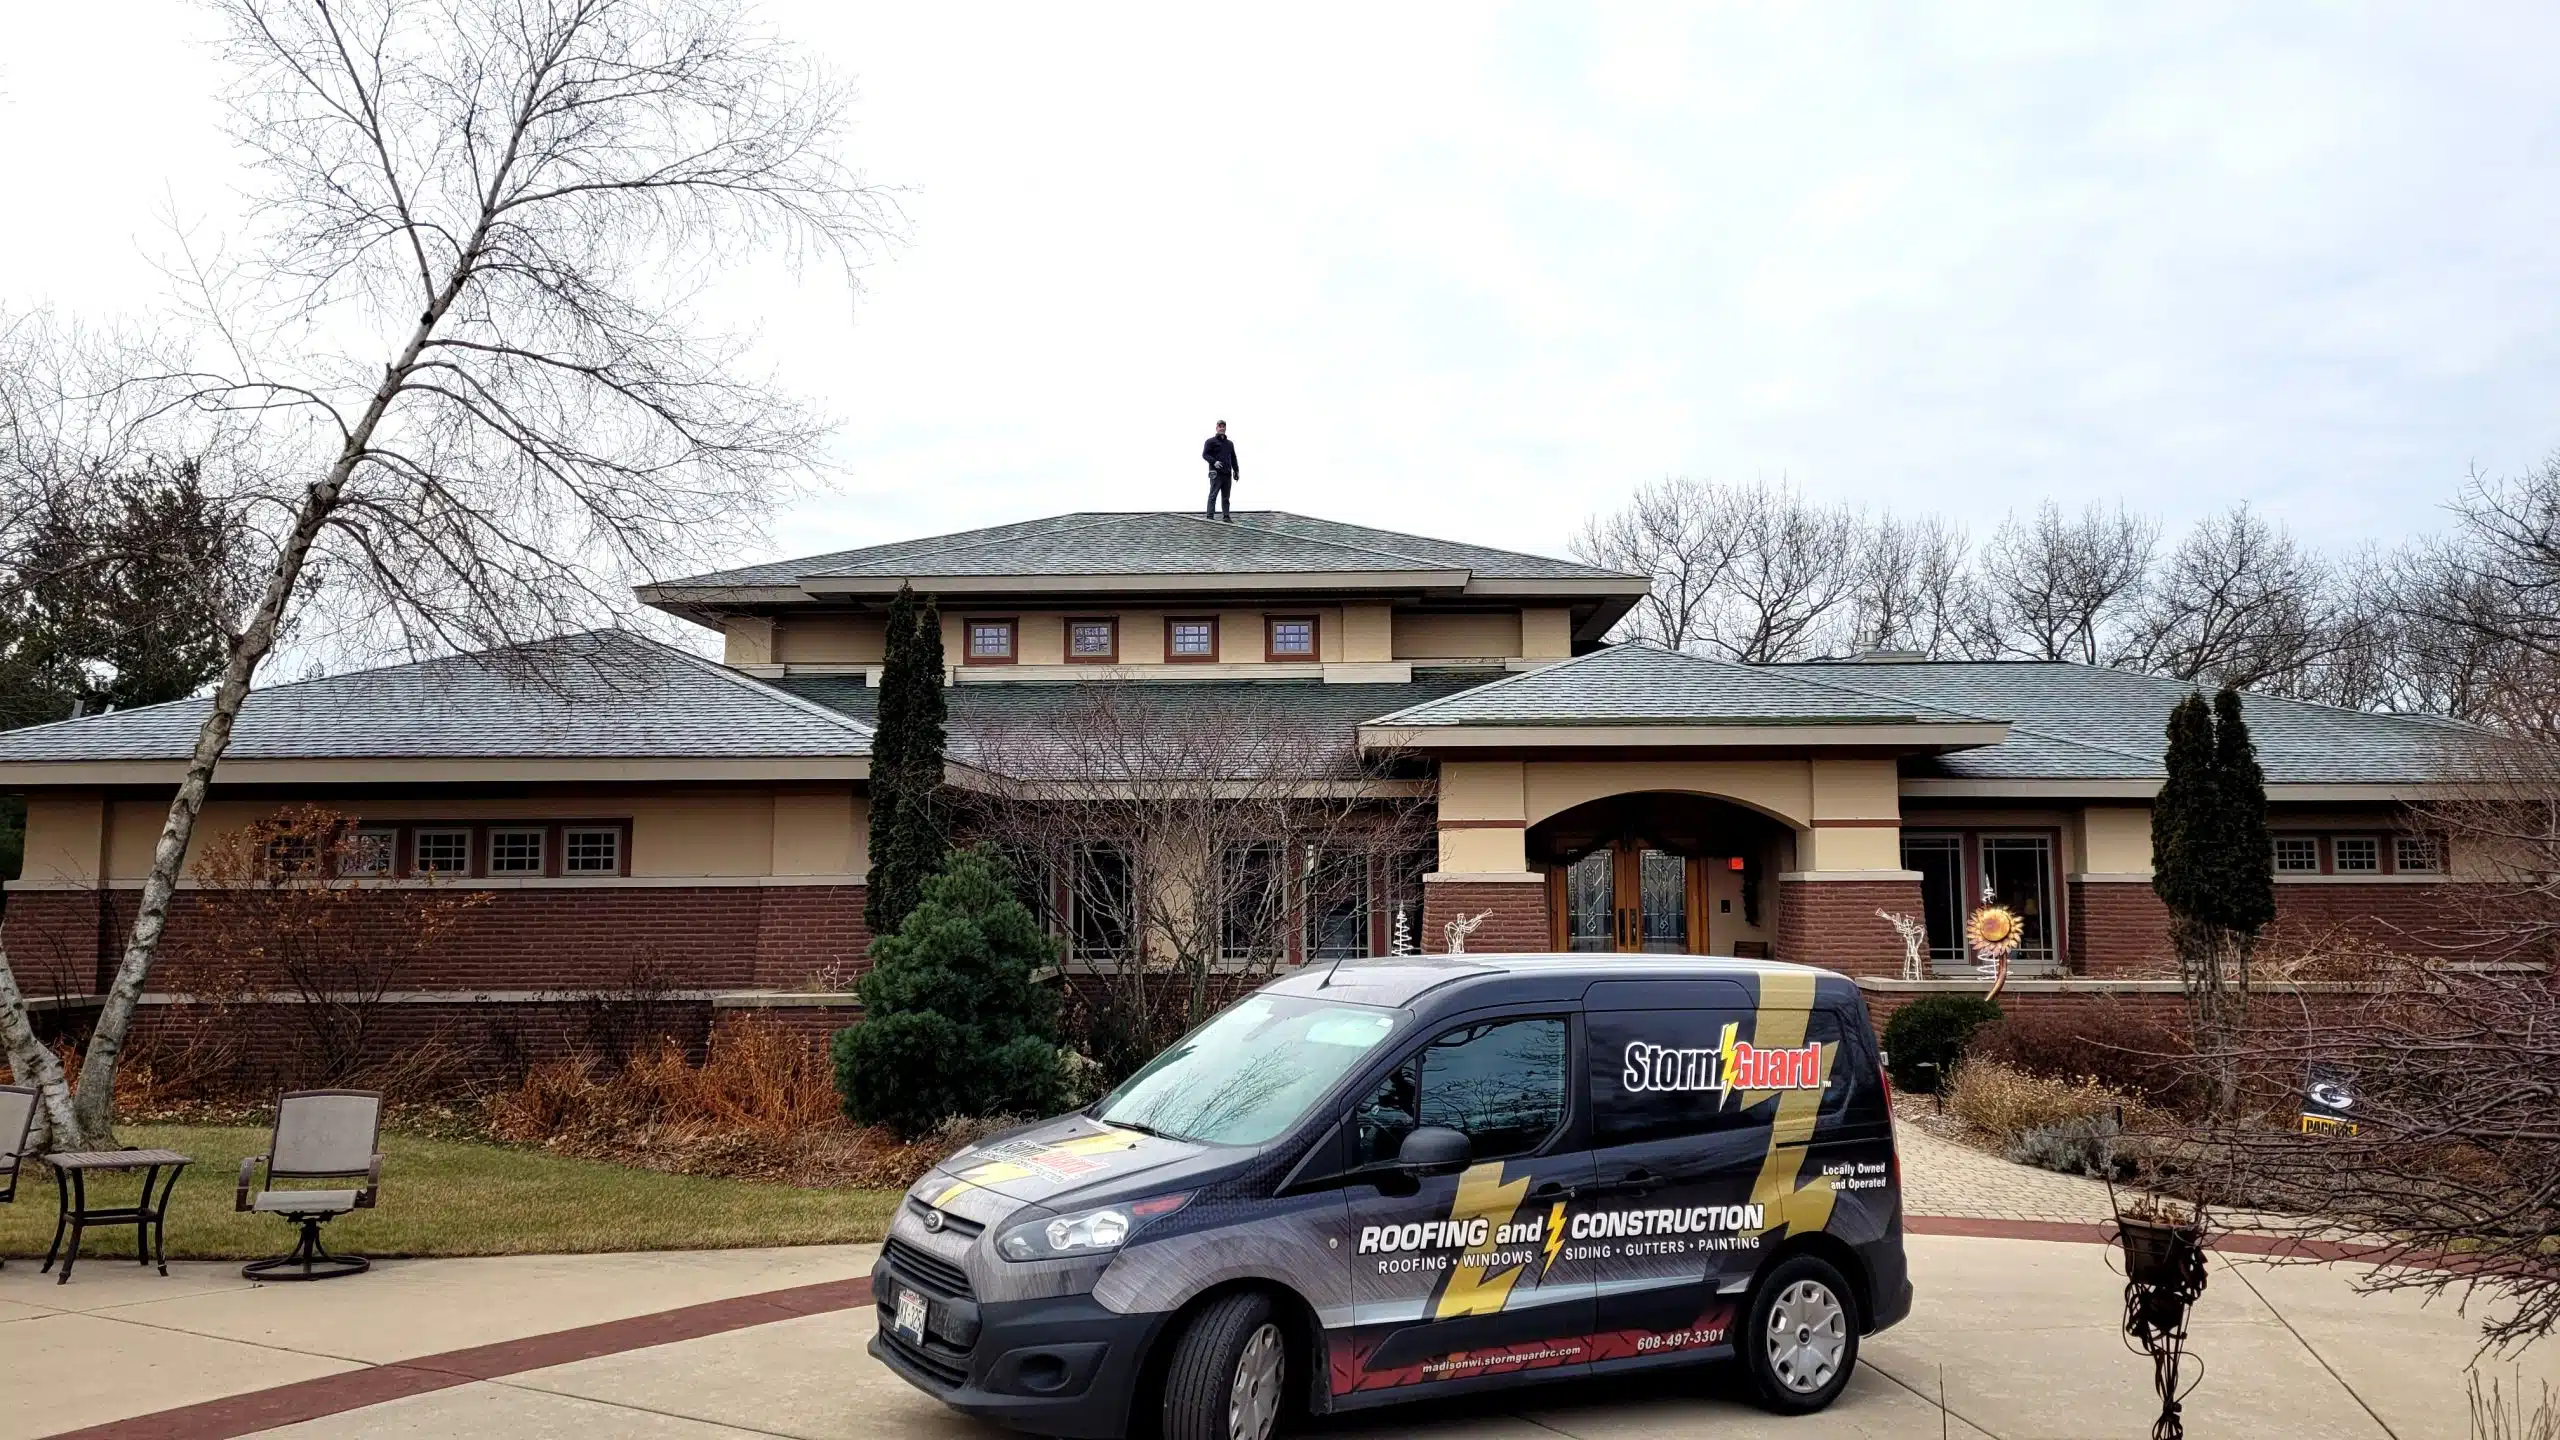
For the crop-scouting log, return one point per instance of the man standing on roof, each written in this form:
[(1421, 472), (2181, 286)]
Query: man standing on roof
[(1220, 452)]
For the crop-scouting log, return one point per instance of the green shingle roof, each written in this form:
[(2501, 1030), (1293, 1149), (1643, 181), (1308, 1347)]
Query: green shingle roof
[(1641, 684)]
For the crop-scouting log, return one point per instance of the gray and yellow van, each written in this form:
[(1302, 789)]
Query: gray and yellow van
[(1417, 1177)]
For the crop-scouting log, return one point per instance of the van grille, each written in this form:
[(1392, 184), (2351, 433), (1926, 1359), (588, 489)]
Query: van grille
[(928, 1271), (953, 1223), (947, 1367)]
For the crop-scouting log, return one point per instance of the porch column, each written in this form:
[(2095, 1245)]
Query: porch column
[(1850, 867), (1484, 863)]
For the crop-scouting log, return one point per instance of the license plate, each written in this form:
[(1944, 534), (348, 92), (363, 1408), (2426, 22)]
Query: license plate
[(910, 1317)]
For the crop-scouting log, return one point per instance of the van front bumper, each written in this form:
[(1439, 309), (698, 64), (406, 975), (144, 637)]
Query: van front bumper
[(1064, 1366)]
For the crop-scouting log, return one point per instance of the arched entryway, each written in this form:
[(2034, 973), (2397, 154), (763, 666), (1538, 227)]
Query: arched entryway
[(1662, 872)]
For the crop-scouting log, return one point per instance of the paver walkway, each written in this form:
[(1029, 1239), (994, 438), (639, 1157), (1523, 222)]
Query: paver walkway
[(2018, 1334)]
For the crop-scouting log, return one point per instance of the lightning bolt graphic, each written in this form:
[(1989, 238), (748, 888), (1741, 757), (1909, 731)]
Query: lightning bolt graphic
[(1724, 1063), (1555, 1238)]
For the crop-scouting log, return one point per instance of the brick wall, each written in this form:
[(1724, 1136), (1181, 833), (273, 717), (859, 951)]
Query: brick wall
[(2119, 928), (706, 937), (1517, 918), (2416, 918), (1833, 923)]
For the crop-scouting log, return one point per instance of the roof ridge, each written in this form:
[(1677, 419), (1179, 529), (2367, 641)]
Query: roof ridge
[(751, 683), (1869, 694), (1342, 544), (1510, 680), (1084, 519), (1436, 540), (2015, 725)]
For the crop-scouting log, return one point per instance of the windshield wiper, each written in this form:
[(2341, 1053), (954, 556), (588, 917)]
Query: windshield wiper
[(1132, 1125)]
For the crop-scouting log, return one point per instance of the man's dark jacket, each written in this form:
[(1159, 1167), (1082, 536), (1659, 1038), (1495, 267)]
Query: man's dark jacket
[(1220, 452)]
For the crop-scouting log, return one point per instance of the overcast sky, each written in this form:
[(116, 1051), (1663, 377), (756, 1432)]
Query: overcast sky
[(1477, 271)]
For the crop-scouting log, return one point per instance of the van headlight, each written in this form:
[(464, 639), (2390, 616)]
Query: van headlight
[(1085, 1232)]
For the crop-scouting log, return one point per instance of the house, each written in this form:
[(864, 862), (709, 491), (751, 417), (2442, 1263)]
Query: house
[(643, 819)]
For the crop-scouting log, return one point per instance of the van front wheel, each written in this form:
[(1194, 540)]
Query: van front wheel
[(1229, 1374), (1801, 1339)]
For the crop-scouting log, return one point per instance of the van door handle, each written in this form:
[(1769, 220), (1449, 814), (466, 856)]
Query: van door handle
[(1637, 1180), (1554, 1190)]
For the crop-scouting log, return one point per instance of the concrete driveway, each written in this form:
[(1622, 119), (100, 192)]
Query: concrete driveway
[(2018, 1334)]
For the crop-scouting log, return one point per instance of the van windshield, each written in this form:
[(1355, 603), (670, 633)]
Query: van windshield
[(1250, 1073)]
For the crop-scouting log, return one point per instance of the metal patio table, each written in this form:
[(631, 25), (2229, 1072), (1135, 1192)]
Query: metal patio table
[(149, 1216)]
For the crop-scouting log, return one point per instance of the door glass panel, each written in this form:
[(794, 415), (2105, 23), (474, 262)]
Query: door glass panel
[(1589, 890), (1664, 879), (2018, 870)]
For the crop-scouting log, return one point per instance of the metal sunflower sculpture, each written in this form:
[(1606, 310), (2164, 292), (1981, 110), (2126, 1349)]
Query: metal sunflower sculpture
[(1994, 932)]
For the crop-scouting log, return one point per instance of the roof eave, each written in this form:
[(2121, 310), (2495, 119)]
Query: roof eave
[(21, 775), (1908, 738), (1345, 581)]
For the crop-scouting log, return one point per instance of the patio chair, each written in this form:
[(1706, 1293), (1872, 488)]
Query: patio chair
[(320, 1135), (17, 1124)]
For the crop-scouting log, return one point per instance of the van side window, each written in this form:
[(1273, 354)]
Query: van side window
[(1501, 1082), (1665, 1074)]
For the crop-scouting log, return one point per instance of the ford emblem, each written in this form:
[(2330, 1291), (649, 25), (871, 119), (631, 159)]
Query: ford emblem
[(933, 1220)]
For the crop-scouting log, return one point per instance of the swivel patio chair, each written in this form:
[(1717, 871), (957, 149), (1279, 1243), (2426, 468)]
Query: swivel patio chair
[(17, 1125), (320, 1135)]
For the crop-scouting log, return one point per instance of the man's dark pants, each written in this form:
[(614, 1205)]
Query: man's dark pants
[(1221, 494)]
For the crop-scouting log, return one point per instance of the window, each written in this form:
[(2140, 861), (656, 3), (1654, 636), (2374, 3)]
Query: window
[(1247, 1075), (1337, 904), (1093, 642), (1099, 901), (515, 851), (591, 850), (2417, 855), (1660, 1074), (990, 642), (2297, 855), (1501, 1083), (370, 851), (2018, 871), (441, 852), (1291, 637), (2356, 854), (293, 853), (1940, 861), (1194, 640), (1251, 907)]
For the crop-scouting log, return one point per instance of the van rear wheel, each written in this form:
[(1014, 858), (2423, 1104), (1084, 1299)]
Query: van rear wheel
[(1801, 1337), (1229, 1375)]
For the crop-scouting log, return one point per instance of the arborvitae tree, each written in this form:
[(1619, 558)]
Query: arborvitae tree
[(2248, 851), (2213, 868), (907, 838), (952, 1021)]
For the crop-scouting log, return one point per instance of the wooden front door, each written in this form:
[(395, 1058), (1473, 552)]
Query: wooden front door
[(1630, 899)]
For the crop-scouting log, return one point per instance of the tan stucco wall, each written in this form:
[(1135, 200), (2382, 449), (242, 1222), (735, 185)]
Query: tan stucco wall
[(833, 640), (1546, 634), (747, 640), (1845, 812), (2113, 840), (1368, 633), (1422, 635), (722, 832)]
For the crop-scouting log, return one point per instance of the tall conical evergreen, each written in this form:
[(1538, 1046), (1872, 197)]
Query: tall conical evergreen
[(2248, 894), (907, 840), (2182, 818)]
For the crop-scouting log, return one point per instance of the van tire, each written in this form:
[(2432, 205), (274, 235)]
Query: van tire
[(1805, 1368), (1202, 1387)]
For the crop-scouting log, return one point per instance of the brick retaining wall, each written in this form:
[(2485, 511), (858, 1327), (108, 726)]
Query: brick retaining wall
[(1833, 923)]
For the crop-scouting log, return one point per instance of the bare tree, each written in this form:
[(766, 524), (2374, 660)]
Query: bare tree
[(1670, 530), (2239, 604), (1794, 564), (1187, 846), (2059, 588), (465, 332), (1913, 591)]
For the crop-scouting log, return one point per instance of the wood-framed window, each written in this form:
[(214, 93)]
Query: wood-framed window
[(2417, 855), (1191, 639), (1289, 637), (988, 642), (373, 852), (2355, 854), (2017, 868), (2297, 854), (517, 849), (592, 850), (440, 850), (1093, 640)]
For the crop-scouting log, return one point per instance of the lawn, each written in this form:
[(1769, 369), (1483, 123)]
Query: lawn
[(458, 1197)]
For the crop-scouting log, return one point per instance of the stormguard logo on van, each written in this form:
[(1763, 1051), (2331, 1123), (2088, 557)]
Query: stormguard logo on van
[(1735, 1064)]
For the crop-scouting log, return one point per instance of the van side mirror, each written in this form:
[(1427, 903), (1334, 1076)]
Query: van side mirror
[(1434, 1150)]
